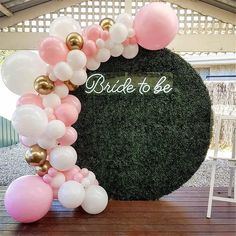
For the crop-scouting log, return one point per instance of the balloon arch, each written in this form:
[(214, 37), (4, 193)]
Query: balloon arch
[(45, 111)]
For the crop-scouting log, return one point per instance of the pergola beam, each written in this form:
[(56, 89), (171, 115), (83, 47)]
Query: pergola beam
[(207, 10), (182, 43), (36, 11), (5, 11)]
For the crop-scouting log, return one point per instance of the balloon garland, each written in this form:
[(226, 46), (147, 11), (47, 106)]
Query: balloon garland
[(45, 111)]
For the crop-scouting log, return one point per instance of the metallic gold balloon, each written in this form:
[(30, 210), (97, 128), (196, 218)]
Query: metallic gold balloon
[(71, 86), (36, 155), (74, 41), (43, 169), (106, 23), (43, 85)]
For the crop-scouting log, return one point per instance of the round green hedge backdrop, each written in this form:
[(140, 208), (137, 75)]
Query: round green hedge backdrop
[(145, 146)]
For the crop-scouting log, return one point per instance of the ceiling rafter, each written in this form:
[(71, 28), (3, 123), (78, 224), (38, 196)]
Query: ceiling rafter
[(36, 11), (207, 10), (5, 11)]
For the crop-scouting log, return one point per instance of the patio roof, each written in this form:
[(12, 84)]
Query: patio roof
[(205, 25)]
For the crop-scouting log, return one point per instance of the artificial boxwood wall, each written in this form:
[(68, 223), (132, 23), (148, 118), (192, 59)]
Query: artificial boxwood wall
[(145, 146)]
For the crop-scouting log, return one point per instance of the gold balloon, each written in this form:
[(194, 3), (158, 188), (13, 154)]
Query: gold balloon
[(43, 85), (43, 169), (71, 86), (36, 156), (106, 23), (74, 41)]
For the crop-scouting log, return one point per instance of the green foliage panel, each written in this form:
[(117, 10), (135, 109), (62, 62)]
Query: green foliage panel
[(145, 146)]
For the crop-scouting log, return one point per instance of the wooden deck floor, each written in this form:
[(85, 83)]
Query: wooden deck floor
[(182, 212)]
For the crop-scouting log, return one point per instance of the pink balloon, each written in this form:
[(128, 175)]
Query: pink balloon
[(105, 35), (93, 32), (126, 42), (69, 174), (30, 98), (156, 25), (28, 199), (73, 100), (53, 50), (67, 113), (69, 138), (133, 40), (89, 48)]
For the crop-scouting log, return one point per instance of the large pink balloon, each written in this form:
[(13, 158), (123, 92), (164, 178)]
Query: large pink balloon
[(93, 32), (73, 100), (28, 199), (53, 50), (69, 138), (30, 98), (89, 48), (155, 25), (67, 113)]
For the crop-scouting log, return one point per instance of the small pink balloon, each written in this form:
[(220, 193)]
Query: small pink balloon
[(55, 193), (84, 172), (51, 117), (78, 177), (53, 50), (47, 178), (105, 35), (73, 100), (67, 113), (89, 48), (52, 172), (126, 42), (30, 98), (93, 32), (133, 40), (155, 25), (69, 174), (69, 138), (28, 199)]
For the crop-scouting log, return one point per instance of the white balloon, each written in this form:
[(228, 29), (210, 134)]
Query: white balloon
[(130, 51), (118, 33), (52, 77), (109, 44), (76, 59), (71, 194), (92, 64), (117, 50), (100, 43), (91, 176), (79, 77), (28, 141), (61, 90), (85, 182), (29, 120), (63, 157), (63, 71), (58, 180), (103, 55), (95, 200), (63, 26), (125, 19), (55, 129), (47, 143), (51, 100), (131, 32), (20, 70)]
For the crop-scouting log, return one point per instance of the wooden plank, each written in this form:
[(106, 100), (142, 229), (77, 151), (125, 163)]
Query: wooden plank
[(34, 227), (207, 10), (182, 43), (5, 11), (36, 11), (168, 216)]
